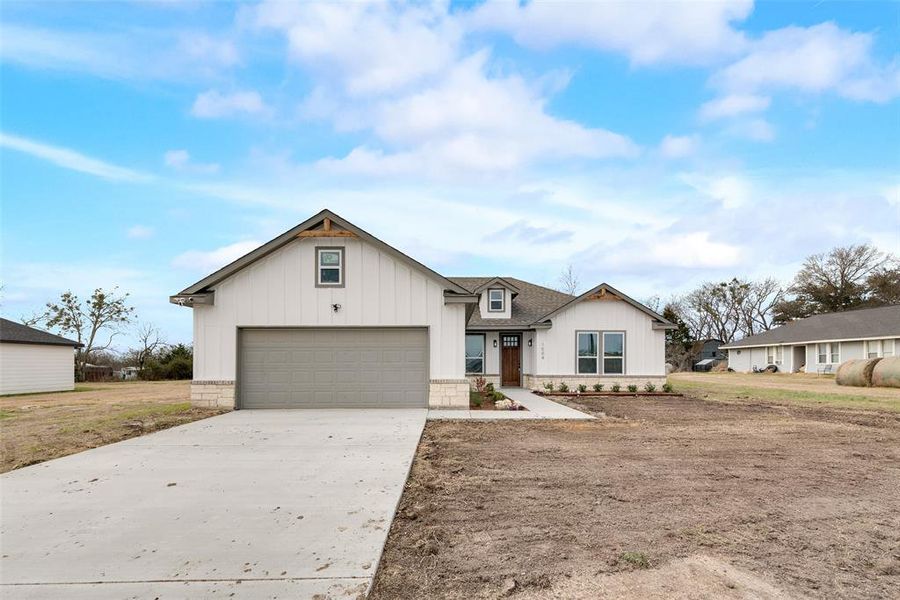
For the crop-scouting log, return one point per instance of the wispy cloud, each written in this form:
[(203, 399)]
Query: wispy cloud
[(70, 159), (140, 232), (180, 160), (202, 261), (214, 104)]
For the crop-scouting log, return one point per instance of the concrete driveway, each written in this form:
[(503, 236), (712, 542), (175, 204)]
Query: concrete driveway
[(258, 504)]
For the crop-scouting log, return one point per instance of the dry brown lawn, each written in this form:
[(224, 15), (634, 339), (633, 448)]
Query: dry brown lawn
[(659, 498), (38, 427)]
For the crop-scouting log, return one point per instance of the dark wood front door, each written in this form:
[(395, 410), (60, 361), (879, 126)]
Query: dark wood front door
[(510, 359)]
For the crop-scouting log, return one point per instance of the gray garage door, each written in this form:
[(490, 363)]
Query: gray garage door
[(333, 368)]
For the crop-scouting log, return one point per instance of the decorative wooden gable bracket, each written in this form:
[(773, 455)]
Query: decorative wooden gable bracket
[(326, 232), (603, 294)]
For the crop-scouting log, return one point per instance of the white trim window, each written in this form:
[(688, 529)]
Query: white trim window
[(835, 352), (613, 352), (873, 349), (495, 300), (588, 343), (821, 354), (888, 348), (779, 355), (330, 267), (475, 353), (770, 355)]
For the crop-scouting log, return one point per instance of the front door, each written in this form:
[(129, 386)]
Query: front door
[(510, 359)]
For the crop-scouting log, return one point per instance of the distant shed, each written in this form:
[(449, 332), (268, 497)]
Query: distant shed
[(32, 360)]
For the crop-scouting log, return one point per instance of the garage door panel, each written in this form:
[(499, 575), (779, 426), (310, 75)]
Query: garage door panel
[(313, 368)]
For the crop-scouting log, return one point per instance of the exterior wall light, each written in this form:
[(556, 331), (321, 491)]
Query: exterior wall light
[(495, 343), (530, 342)]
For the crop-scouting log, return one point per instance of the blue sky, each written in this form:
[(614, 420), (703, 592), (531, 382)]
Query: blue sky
[(651, 145)]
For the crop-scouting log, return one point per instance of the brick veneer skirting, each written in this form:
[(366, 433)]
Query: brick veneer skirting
[(536, 382)]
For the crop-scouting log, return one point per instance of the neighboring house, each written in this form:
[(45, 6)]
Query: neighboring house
[(32, 360), (327, 315), (821, 342), (706, 354)]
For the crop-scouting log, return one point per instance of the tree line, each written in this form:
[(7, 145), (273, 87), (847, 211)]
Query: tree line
[(845, 278), (95, 322)]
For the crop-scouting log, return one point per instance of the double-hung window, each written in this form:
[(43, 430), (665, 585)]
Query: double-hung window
[(495, 300), (475, 353), (821, 353), (588, 353), (613, 353), (329, 267), (770, 355), (835, 351), (888, 347)]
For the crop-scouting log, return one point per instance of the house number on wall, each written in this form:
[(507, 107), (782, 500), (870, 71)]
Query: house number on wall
[(542, 350)]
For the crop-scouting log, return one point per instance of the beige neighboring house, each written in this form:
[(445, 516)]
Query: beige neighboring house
[(327, 315), (820, 343), (32, 360)]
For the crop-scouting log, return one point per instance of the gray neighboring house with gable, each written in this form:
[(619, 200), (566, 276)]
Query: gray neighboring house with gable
[(820, 343), (328, 315)]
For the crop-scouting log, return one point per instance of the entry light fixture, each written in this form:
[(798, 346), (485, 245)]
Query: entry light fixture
[(335, 307), (530, 342), (495, 343)]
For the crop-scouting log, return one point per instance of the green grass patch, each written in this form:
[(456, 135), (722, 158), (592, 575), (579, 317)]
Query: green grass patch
[(137, 413), (7, 414), (78, 388), (724, 391), (638, 560)]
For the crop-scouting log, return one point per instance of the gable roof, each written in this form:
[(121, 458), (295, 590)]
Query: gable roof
[(501, 281), (16, 333), (291, 234), (861, 323), (531, 302), (606, 288)]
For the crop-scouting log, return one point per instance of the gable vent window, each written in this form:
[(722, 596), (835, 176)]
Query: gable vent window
[(495, 300), (330, 267)]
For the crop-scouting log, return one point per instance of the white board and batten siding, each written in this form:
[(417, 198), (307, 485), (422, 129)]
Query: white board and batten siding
[(28, 368), (279, 291), (645, 347)]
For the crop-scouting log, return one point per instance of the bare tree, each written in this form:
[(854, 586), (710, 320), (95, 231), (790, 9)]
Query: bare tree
[(33, 320), (104, 311), (149, 340), (730, 309), (834, 281), (568, 281)]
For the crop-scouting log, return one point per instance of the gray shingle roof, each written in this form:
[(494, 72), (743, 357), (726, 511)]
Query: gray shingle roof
[(530, 304), (16, 333), (862, 323)]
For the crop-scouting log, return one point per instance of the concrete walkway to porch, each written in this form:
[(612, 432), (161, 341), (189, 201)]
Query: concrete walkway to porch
[(538, 408)]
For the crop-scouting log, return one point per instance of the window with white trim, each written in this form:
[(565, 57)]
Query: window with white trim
[(330, 267), (613, 353), (588, 352), (835, 352), (495, 300), (779, 354), (821, 353), (770, 355), (475, 353), (889, 347), (873, 349)]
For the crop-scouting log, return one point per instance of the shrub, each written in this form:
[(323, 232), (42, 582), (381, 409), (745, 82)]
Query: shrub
[(497, 396), (582, 388), (637, 559), (632, 388), (475, 399), (649, 387), (480, 384), (598, 387), (489, 387), (548, 386), (563, 387), (616, 387), (667, 387)]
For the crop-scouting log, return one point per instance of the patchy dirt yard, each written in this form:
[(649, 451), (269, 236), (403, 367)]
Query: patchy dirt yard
[(659, 498), (38, 427)]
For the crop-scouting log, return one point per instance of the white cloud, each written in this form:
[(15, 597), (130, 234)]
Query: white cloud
[(732, 191), (368, 47), (675, 146), (180, 160), (140, 232), (213, 104), (470, 122), (813, 59), (757, 130), (648, 32), (70, 159), (733, 105), (211, 260), (173, 55)]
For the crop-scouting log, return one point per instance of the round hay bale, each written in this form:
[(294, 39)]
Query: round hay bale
[(857, 371), (887, 372)]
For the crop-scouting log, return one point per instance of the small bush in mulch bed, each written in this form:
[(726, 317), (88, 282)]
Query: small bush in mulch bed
[(638, 560)]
